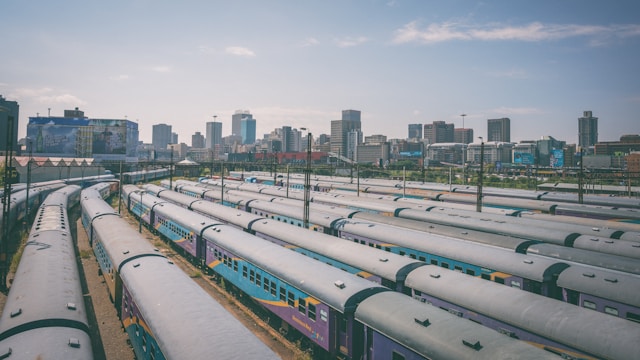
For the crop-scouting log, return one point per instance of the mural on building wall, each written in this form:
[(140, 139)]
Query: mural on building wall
[(556, 158)]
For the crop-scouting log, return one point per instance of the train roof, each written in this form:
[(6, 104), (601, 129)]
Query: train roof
[(594, 258), (176, 309), (619, 287), (530, 267), (436, 334), (381, 263), (569, 324), (334, 287)]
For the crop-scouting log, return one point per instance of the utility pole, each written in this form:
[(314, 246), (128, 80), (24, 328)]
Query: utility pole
[(580, 174), (221, 182), (307, 182), (171, 170), (480, 176)]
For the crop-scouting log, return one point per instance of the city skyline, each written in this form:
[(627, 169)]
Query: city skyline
[(540, 64)]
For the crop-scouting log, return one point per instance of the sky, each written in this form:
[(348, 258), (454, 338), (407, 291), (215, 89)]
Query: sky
[(301, 62)]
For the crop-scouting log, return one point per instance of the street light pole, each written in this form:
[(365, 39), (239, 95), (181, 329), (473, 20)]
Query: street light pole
[(307, 181), (480, 176)]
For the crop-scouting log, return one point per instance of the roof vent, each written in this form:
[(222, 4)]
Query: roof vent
[(16, 312), (74, 343), (435, 276), (424, 322), (474, 345), (527, 261), (589, 275), (383, 259), (595, 229), (339, 284), (71, 306), (613, 280)]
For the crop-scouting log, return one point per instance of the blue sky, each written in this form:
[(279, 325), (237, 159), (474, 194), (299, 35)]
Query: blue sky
[(299, 63)]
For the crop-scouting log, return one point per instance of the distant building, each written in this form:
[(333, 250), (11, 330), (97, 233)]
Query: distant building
[(174, 138), (213, 134), (451, 153), (75, 113), (438, 132), (626, 145), (463, 136), (243, 124), (161, 136), (548, 148), (375, 139), (374, 154), (415, 131), (354, 139), (341, 128), (102, 139), (494, 152), (197, 141), (499, 130), (587, 130), (9, 110)]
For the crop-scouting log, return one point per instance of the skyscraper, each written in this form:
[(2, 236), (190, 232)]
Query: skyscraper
[(439, 132), (499, 130), (340, 128), (161, 136), (236, 124), (197, 140), (587, 130), (415, 131), (8, 110), (213, 134), (248, 130), (463, 136)]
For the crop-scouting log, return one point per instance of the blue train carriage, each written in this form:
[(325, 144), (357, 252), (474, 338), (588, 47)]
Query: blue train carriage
[(560, 328), (44, 315), (533, 274), (612, 293), (314, 298), (400, 328), (140, 203), (160, 320)]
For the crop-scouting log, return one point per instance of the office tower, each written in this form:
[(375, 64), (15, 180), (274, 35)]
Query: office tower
[(354, 138), (587, 130), (174, 138), (415, 131), (197, 140), (243, 124), (499, 130), (439, 132), (341, 128), (463, 136), (213, 134), (248, 130), (161, 136), (8, 110)]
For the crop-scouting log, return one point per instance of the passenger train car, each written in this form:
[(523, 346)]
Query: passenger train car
[(134, 177), (165, 313), (392, 270), (45, 316), (321, 302)]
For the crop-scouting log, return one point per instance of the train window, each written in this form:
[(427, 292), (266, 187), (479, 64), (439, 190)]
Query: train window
[(273, 288), (413, 256), (371, 245), (388, 249), (444, 265), (252, 275), (258, 279), (343, 325), (457, 268), (244, 271), (235, 265), (471, 272), (266, 285), (434, 262), (283, 294), (611, 310), (499, 280), (396, 356), (589, 304), (485, 276), (302, 306), (422, 258), (312, 312), (633, 317), (516, 284), (291, 299)]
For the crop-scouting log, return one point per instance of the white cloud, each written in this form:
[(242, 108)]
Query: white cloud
[(122, 77), (239, 51), (310, 41), (532, 32), (351, 41), (206, 49), (161, 69), (46, 96)]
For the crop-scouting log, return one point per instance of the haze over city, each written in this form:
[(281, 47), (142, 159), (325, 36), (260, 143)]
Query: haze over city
[(300, 63)]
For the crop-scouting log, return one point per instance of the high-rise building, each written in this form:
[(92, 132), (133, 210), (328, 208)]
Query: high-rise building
[(174, 138), (354, 138), (161, 136), (415, 131), (587, 130), (248, 130), (197, 140), (236, 125), (499, 130), (341, 128), (8, 110), (439, 132), (463, 136), (213, 134)]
